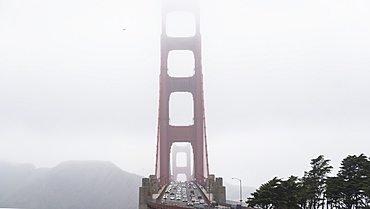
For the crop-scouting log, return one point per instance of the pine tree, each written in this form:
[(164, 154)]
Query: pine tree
[(314, 183), (354, 173)]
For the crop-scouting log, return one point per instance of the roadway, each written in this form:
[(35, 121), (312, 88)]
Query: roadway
[(184, 194)]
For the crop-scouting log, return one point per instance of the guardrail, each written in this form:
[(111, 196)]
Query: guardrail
[(203, 191)]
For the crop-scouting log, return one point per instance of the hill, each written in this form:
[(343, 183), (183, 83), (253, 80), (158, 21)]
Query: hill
[(72, 184)]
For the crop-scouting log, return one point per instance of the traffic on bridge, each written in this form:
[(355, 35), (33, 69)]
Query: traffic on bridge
[(184, 194)]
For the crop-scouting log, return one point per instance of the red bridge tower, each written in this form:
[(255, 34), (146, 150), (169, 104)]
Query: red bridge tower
[(168, 134)]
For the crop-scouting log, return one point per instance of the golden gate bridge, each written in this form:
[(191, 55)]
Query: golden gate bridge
[(200, 189)]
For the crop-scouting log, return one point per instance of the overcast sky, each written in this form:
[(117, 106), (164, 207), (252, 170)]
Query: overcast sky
[(284, 81)]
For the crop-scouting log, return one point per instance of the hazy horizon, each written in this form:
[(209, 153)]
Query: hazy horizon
[(284, 82)]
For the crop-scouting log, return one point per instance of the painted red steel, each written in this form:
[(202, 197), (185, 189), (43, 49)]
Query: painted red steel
[(169, 134)]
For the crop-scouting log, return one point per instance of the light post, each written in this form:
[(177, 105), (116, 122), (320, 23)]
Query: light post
[(240, 189)]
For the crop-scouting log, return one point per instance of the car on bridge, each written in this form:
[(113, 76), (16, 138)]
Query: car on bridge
[(198, 206)]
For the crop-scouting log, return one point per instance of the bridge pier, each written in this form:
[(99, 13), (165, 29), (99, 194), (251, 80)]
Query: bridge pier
[(217, 188), (149, 187)]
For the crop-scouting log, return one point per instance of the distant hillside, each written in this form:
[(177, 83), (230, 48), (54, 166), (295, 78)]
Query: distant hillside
[(73, 184)]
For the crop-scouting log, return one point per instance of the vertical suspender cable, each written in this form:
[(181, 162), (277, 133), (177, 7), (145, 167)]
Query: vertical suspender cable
[(158, 133), (205, 130)]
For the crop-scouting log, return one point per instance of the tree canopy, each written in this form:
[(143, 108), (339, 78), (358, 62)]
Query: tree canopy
[(349, 189)]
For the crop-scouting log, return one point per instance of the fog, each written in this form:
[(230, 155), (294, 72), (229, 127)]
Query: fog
[(284, 81)]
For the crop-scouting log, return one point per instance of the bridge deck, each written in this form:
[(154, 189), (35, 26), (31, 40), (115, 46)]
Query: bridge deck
[(177, 195)]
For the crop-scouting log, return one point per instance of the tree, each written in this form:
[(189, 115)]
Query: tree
[(355, 175), (314, 183), (277, 194), (292, 191), (264, 197), (350, 189), (333, 193)]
